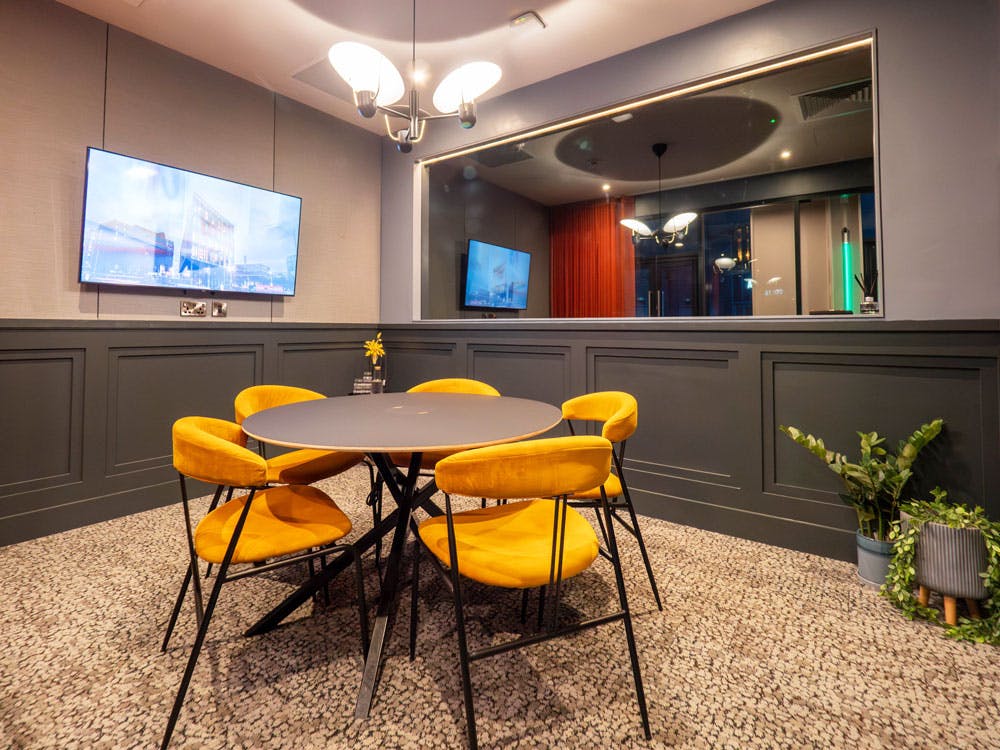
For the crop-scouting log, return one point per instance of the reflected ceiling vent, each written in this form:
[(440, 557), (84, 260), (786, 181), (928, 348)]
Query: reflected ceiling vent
[(842, 99), (501, 155)]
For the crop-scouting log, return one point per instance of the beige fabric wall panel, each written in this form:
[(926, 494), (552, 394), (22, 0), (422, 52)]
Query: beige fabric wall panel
[(772, 239), (814, 243), (52, 85), (168, 108), (335, 168)]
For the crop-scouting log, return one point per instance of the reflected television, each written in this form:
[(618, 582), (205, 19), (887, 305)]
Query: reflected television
[(150, 225), (497, 277)]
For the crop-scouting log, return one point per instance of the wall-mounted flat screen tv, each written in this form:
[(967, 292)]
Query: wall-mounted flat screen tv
[(146, 224), (497, 277)]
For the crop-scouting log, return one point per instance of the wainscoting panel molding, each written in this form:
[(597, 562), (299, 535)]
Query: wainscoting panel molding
[(88, 406), (707, 451)]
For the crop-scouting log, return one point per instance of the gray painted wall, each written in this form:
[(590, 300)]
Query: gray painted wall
[(70, 81), (939, 139), (460, 210)]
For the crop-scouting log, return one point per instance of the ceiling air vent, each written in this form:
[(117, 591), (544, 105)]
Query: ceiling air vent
[(498, 156), (842, 99)]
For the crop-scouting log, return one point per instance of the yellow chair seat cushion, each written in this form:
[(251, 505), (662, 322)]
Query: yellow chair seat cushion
[(282, 521), (307, 466), (511, 545), (612, 488)]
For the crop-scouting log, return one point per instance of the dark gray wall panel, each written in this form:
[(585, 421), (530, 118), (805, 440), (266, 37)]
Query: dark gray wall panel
[(149, 388), (42, 406), (538, 372), (834, 397), (328, 368), (88, 406), (411, 363), (688, 398), (710, 395)]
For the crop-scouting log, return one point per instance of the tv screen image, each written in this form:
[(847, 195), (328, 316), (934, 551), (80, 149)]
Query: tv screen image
[(497, 277), (147, 224)]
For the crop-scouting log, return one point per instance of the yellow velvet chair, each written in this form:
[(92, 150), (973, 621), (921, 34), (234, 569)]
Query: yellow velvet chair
[(283, 524), (538, 541), (617, 413), (298, 466)]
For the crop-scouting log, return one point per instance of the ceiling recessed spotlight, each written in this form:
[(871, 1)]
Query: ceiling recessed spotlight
[(605, 187), (623, 117), (786, 154)]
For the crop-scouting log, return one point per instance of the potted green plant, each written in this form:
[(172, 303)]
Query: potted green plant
[(873, 487), (955, 551)]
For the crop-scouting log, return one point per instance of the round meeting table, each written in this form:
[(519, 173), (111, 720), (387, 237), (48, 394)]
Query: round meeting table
[(382, 425)]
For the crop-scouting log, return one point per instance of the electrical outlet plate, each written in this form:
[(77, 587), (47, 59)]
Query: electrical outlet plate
[(193, 308), (219, 309)]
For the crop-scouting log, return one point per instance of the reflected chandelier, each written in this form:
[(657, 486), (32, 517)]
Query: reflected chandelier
[(674, 228), (377, 85)]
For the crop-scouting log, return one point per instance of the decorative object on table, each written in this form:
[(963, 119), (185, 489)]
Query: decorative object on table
[(955, 551), (375, 351), (869, 286), (874, 486), (377, 84)]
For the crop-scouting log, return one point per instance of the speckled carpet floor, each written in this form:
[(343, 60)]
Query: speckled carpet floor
[(756, 647)]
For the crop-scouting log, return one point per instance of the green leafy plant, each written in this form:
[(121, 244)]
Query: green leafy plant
[(901, 578), (875, 482)]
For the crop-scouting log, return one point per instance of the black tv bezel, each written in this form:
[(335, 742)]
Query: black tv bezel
[(465, 278), (181, 290)]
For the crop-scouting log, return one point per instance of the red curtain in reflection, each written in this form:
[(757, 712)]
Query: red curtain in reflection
[(592, 265)]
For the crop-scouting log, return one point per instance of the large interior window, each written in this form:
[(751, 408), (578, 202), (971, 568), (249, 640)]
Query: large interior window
[(776, 165)]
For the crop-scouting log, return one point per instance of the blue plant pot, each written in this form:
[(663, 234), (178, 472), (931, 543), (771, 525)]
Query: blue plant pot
[(873, 559)]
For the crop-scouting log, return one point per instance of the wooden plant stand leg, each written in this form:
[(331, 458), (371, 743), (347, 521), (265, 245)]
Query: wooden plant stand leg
[(923, 596), (973, 606), (950, 610)]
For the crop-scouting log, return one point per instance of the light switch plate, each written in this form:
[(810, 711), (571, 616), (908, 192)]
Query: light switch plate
[(219, 309), (193, 308)]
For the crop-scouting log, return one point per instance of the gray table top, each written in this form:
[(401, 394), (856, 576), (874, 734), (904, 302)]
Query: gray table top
[(397, 422)]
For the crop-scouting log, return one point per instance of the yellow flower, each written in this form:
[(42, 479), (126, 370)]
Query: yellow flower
[(374, 348)]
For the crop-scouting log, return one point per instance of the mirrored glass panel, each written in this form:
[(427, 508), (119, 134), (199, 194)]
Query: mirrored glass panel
[(753, 197)]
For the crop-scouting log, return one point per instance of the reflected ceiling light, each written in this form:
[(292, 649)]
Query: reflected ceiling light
[(786, 154), (725, 263), (675, 227), (377, 86)]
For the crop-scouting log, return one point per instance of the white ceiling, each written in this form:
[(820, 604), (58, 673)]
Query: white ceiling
[(282, 44)]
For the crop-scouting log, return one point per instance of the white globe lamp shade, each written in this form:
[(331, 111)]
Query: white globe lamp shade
[(465, 84), (637, 226), (366, 69), (679, 222)]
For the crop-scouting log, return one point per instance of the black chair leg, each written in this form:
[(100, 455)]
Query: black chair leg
[(642, 549), (177, 609), (195, 651), (524, 606), (627, 619), (414, 590)]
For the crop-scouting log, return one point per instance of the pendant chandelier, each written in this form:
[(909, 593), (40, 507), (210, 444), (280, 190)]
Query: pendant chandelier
[(675, 228), (377, 86)]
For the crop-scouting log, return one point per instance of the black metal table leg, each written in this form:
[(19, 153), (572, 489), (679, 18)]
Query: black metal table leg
[(305, 592), (407, 497)]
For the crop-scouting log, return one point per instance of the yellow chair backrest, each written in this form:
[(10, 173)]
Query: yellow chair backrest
[(616, 409), (527, 469), (455, 385), (259, 397), (210, 449)]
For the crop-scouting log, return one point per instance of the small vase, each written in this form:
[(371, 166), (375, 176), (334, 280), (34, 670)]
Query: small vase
[(378, 382)]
